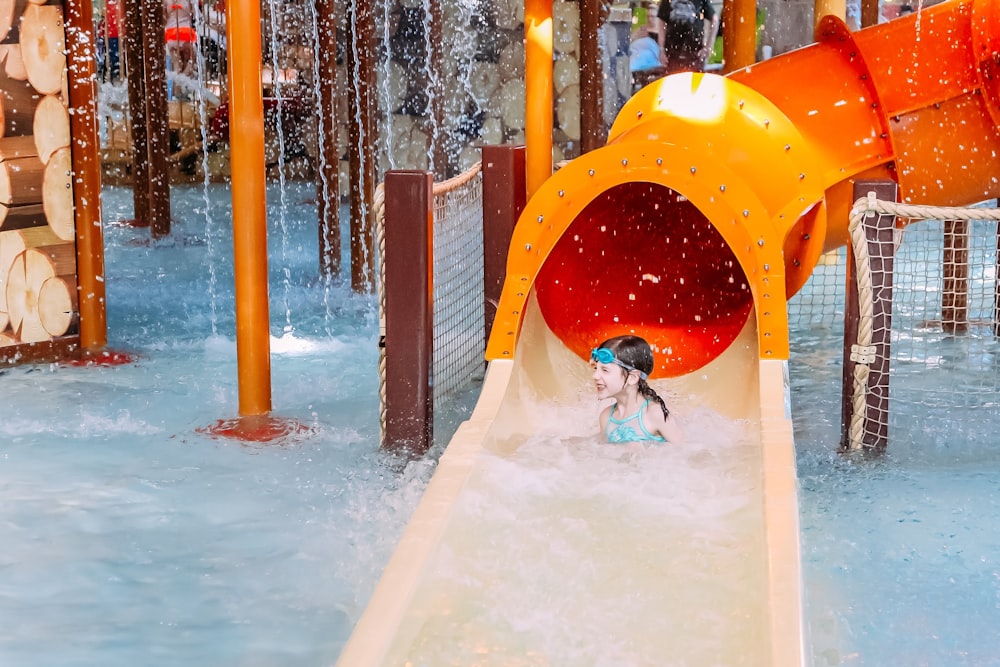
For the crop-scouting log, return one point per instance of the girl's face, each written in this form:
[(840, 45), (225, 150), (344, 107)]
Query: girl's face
[(610, 379)]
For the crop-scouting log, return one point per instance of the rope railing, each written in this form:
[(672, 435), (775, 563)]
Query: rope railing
[(863, 351), (466, 185)]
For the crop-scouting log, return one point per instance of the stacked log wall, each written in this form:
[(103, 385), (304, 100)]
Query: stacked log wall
[(38, 294)]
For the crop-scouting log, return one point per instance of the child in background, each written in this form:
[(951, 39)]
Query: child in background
[(621, 367)]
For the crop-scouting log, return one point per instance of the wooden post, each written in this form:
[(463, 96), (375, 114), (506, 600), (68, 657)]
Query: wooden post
[(996, 287), (409, 314), (328, 185), (135, 78), (157, 130), (955, 290), (739, 39), (869, 13), (441, 160), (246, 136), (361, 60), (504, 195), (538, 92), (85, 146), (592, 128), (881, 247)]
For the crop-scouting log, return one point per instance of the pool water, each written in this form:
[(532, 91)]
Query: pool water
[(901, 552), (128, 537)]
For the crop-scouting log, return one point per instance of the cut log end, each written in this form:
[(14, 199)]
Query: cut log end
[(57, 305), (57, 194), (43, 47), (26, 282)]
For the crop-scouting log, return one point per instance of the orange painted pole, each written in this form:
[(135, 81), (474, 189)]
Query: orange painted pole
[(86, 175), (739, 41), (836, 8), (246, 136), (538, 92)]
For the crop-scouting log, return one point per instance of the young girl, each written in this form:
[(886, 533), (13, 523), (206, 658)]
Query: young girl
[(621, 367)]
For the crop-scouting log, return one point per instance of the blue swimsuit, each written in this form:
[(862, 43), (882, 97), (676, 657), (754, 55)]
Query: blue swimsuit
[(623, 430)]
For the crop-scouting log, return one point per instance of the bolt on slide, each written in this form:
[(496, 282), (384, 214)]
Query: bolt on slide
[(707, 209)]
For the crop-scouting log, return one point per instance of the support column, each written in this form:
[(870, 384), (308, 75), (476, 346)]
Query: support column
[(955, 290), (538, 91), (881, 249), (869, 13), (85, 147), (135, 78), (409, 314), (328, 185), (593, 133), (739, 34), (363, 103), (246, 132), (996, 287), (504, 196), (157, 126), (837, 8), (442, 160)]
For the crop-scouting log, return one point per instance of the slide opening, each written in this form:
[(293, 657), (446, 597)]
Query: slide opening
[(642, 258)]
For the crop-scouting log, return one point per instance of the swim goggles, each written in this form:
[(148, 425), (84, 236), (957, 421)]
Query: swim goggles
[(605, 356)]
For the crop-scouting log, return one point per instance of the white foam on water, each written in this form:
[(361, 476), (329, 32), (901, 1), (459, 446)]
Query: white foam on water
[(571, 551)]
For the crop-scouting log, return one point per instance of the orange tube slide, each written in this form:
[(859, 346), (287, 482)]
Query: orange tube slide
[(715, 196)]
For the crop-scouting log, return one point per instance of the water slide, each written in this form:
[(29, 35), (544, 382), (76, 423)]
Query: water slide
[(707, 209)]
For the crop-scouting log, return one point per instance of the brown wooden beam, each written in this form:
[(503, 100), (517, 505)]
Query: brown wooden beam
[(881, 249), (328, 183), (593, 133), (363, 102), (135, 78), (955, 290), (409, 314), (157, 126), (504, 196), (443, 166)]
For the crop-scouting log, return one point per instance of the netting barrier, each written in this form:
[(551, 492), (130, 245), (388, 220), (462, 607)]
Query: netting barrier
[(938, 341), (459, 342), (457, 302)]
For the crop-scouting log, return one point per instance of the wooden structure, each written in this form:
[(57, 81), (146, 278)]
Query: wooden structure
[(39, 310), (875, 354)]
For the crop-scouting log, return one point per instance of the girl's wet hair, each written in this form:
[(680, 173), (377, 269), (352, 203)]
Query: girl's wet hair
[(635, 351)]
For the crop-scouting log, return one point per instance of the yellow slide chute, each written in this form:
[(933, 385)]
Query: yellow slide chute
[(708, 207)]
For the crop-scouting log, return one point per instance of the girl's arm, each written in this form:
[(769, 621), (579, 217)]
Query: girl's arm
[(603, 421), (667, 428), (671, 430)]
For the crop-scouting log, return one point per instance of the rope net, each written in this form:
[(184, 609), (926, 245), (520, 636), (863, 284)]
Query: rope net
[(458, 302), (943, 352), (459, 325)]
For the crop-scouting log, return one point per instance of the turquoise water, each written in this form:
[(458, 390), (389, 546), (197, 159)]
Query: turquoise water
[(901, 553), (131, 539)]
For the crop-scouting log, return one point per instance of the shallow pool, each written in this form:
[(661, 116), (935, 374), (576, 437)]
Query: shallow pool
[(129, 538), (901, 553)]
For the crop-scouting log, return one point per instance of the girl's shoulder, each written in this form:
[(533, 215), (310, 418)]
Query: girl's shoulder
[(666, 427), (652, 413)]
